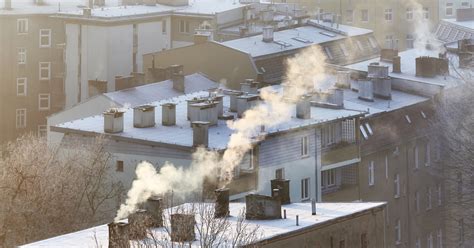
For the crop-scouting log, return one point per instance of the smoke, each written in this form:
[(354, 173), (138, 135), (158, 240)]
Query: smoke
[(303, 72)]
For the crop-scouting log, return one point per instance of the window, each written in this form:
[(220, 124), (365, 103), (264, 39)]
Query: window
[(423, 114), (427, 154), (363, 240), (163, 27), (465, 4), (428, 198), (119, 166), (429, 241), (439, 195), (396, 186), (371, 173), (328, 178), (388, 15), (45, 70), (342, 244), (386, 167), (184, 26), (305, 189), (426, 13), (328, 52), (418, 243), (280, 173), (409, 14), (415, 154), (42, 130), (398, 232), (43, 101), (305, 146), (364, 15), (20, 118), (389, 41), (21, 56), (439, 236), (349, 16), (364, 133), (449, 9), (372, 42), (22, 26), (410, 41), (369, 129), (344, 49), (331, 134), (461, 230), (359, 45), (21, 84), (417, 201), (45, 37)]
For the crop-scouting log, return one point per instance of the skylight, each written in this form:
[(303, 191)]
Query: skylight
[(282, 43), (328, 34), (302, 40)]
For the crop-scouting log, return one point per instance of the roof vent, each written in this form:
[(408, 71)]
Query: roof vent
[(204, 111), (268, 34), (182, 227), (168, 114), (144, 116), (246, 102), (303, 107), (249, 86), (200, 133), (113, 121), (366, 90), (261, 207)]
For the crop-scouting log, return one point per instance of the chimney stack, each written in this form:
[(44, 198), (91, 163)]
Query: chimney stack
[(262, 207), (249, 86), (303, 107), (118, 235), (138, 224), (113, 121), (87, 12), (154, 207), (246, 102), (200, 133), (336, 97), (233, 99), (204, 111), (219, 99), (191, 102), (366, 90), (178, 81), (222, 203), (283, 187), (343, 79), (144, 116), (168, 114), (397, 64), (8, 5), (268, 34), (182, 227)]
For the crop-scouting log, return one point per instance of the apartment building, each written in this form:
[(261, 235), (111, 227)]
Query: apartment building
[(452, 30), (447, 8), (393, 22)]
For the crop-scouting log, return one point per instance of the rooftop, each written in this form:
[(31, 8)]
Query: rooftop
[(294, 38), (466, 24), (326, 212), (27, 7)]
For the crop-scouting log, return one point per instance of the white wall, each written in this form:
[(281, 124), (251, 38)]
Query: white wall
[(152, 39), (120, 53), (72, 63)]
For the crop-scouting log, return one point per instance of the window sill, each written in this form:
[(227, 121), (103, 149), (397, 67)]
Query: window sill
[(305, 156)]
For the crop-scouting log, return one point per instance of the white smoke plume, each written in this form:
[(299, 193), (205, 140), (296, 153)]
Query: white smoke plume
[(303, 72)]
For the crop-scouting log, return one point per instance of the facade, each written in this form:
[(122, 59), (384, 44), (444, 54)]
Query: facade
[(335, 225), (447, 8), (392, 21), (462, 27)]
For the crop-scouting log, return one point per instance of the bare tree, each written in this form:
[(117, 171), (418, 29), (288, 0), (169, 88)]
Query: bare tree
[(47, 191)]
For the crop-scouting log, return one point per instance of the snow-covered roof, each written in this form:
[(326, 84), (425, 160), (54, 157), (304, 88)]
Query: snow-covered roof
[(465, 24), (294, 38), (326, 212), (181, 134), (27, 7)]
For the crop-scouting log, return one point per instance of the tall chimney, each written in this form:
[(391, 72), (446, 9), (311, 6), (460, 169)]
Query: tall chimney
[(144, 116), (268, 34), (155, 210), (182, 227), (220, 105), (366, 90), (200, 133), (138, 224), (397, 64), (113, 121), (303, 107), (249, 86), (8, 4), (233, 99), (168, 114), (118, 235), (246, 102), (222, 203), (178, 81), (191, 102)]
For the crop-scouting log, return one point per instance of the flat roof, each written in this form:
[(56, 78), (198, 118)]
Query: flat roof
[(181, 134), (325, 212), (408, 68), (27, 7), (294, 38)]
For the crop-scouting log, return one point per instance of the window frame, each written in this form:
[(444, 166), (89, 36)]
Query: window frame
[(429, 198), (409, 14), (396, 186), (362, 19), (41, 129), (22, 29), (44, 97), (119, 166), (47, 36), (42, 67), (416, 157), (371, 173), (24, 84), (21, 53), (20, 123), (388, 15), (304, 152), (398, 232), (184, 26), (449, 6), (349, 16), (280, 171), (305, 188)]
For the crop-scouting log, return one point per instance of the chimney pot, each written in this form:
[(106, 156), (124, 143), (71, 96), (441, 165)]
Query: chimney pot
[(168, 114), (200, 133), (268, 34), (144, 116)]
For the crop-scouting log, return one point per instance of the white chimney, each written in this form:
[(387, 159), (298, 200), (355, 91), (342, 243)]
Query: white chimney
[(336, 97), (204, 111), (366, 90), (113, 121), (168, 114), (375, 70), (343, 79), (382, 88), (246, 102), (144, 116), (268, 34), (233, 99), (191, 102), (178, 81), (200, 133), (219, 99), (249, 86), (303, 107)]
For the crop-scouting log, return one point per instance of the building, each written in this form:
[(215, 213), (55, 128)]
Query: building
[(393, 22), (462, 27), (263, 57), (130, 97), (447, 8), (333, 225)]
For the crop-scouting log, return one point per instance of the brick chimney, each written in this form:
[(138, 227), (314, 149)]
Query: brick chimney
[(200, 133), (138, 224), (168, 114), (182, 227), (144, 116), (118, 235), (178, 81), (154, 207), (343, 79), (397, 64), (222, 203), (262, 207), (113, 121)]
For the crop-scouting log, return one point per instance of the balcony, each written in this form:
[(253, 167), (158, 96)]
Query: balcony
[(340, 153)]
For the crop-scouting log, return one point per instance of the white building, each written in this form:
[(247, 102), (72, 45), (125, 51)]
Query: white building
[(447, 8)]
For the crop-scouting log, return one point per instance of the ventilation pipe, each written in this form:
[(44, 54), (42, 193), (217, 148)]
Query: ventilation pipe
[(268, 34), (200, 133), (303, 107), (182, 227), (154, 207), (118, 235), (222, 203), (144, 116), (113, 121), (168, 114)]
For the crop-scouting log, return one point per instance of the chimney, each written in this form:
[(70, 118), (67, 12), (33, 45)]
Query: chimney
[(243, 30), (249, 86), (246, 102), (113, 121), (39, 2), (200, 133), (343, 79), (375, 70), (313, 206), (397, 64), (387, 55), (100, 3), (178, 81), (91, 4), (222, 203), (204, 111), (466, 59), (144, 116), (465, 14), (138, 224), (366, 90), (382, 88), (168, 114), (8, 4), (182, 227), (262, 207), (118, 235), (303, 107), (87, 12), (155, 210), (175, 69), (219, 99), (192, 102), (336, 97), (267, 16), (202, 36), (233, 99), (268, 34), (283, 187), (431, 66)]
